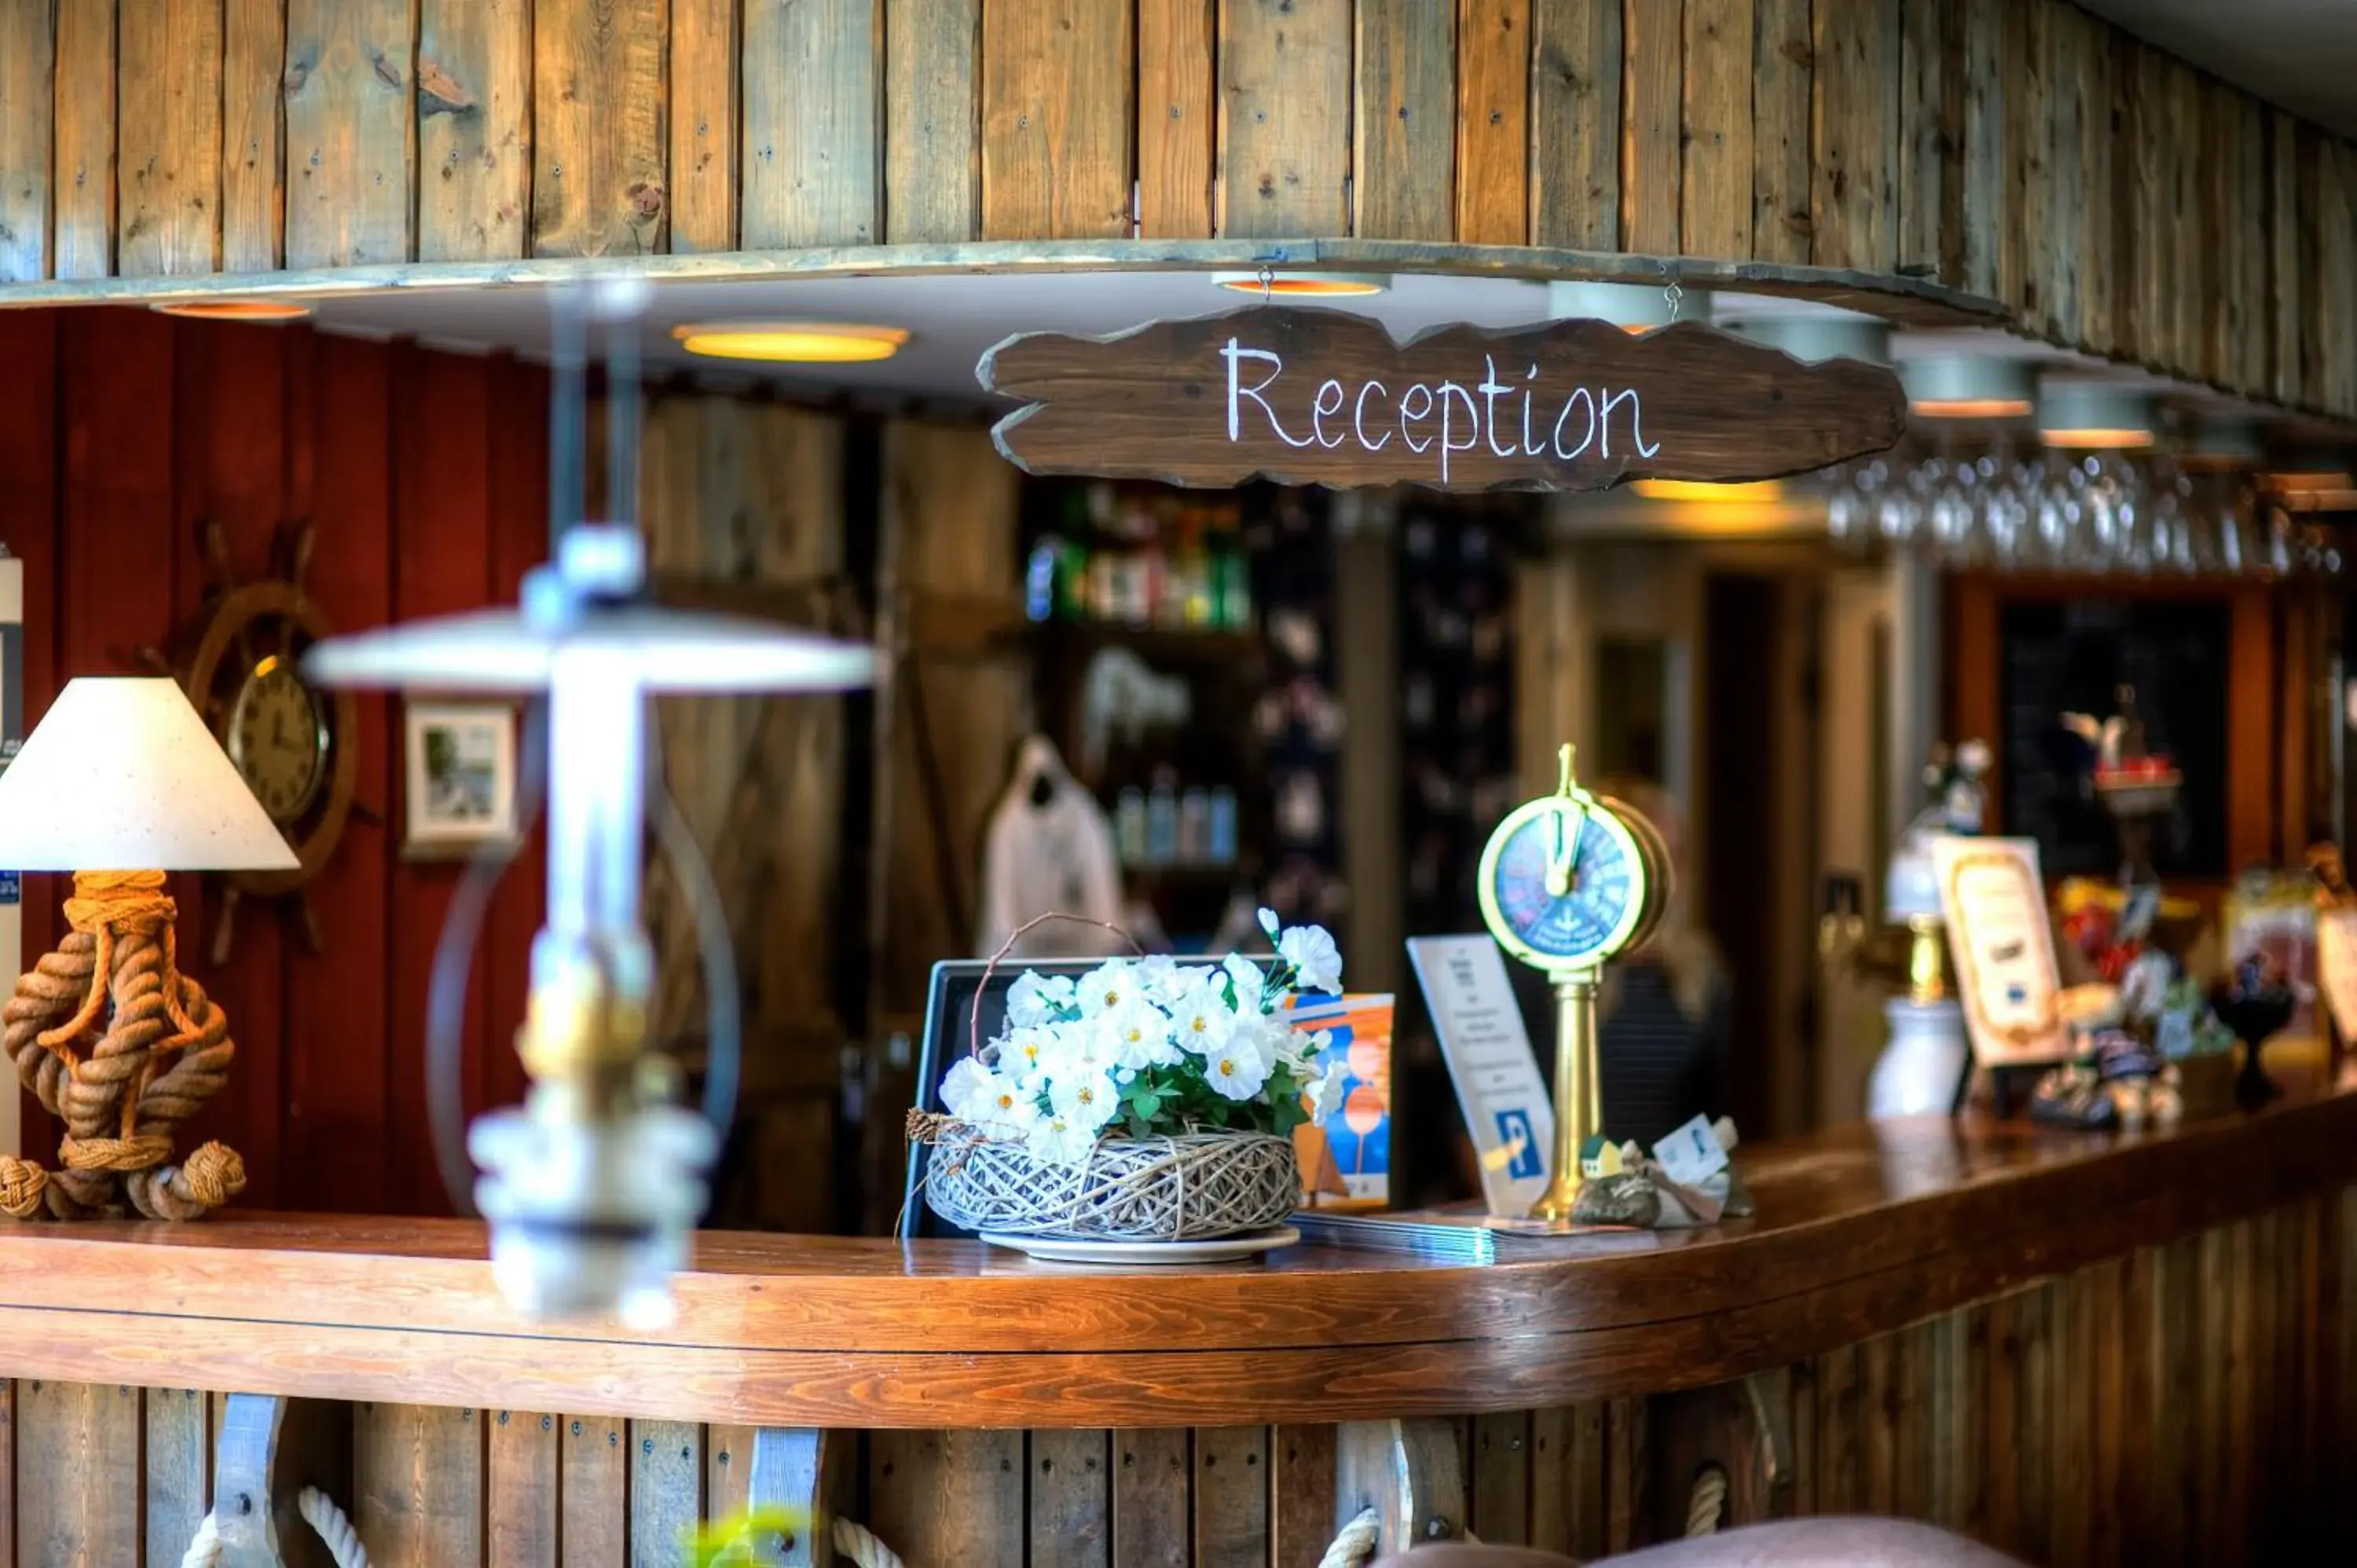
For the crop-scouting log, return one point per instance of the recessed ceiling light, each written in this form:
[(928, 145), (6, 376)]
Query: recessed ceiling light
[(1968, 386), (2223, 441), (1633, 307), (792, 342), (2090, 416), (1703, 492), (1303, 283), (235, 309)]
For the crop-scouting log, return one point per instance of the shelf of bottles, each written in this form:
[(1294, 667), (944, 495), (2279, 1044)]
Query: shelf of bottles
[(1147, 656), (1141, 558), (1166, 828)]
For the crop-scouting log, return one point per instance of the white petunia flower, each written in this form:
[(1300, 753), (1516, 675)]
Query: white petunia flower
[(1326, 1093), (1161, 978), (1088, 1099), (1317, 963), (1025, 1052), (1060, 1140), (968, 1089), (1036, 999), (1074, 1049), (1302, 1047), (1139, 1034), (1204, 1021), (1248, 980), (1268, 920), (1237, 1069), (1011, 1113), (1107, 987)]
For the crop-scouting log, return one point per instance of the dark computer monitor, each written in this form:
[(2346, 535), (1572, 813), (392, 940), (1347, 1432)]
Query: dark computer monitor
[(955, 991)]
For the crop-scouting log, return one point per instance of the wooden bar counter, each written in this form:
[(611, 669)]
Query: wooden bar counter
[(2078, 1348)]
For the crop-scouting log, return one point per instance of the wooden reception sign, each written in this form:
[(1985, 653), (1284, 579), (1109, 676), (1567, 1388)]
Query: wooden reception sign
[(1326, 397)]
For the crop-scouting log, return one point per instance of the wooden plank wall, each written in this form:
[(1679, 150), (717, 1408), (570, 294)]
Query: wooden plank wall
[(747, 496), (2113, 197), (426, 475), (2191, 1402)]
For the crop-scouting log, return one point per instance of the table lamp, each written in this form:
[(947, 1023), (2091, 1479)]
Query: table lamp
[(122, 773)]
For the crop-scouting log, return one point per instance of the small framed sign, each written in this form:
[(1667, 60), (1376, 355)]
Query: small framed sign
[(461, 778), (1480, 1025), (1994, 902)]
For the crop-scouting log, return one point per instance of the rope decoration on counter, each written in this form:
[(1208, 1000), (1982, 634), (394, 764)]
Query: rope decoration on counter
[(760, 1542), (1355, 1543), (1707, 1503), (858, 1542), (318, 1510), (115, 1040)]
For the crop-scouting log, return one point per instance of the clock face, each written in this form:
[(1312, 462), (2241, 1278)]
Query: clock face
[(278, 738), (1563, 887)]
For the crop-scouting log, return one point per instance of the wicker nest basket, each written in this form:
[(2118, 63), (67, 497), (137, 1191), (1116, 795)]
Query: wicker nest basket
[(1191, 1187)]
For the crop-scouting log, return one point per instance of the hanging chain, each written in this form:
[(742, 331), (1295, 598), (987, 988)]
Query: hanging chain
[(1268, 282), (1674, 294)]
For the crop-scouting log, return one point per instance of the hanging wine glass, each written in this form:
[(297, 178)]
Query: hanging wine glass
[(2282, 553)]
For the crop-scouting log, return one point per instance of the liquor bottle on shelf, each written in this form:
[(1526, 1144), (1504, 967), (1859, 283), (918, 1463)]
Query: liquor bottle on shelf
[(1162, 820), (1221, 827), (1129, 833), (1040, 594), (1195, 826), (1231, 581), (1073, 582), (1188, 602)]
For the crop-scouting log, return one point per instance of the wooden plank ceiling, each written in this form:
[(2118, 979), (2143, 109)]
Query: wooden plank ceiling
[(2113, 197)]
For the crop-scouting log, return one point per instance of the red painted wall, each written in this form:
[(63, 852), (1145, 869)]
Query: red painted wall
[(425, 478)]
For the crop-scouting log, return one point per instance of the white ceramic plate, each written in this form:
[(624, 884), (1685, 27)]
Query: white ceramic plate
[(1219, 1249)]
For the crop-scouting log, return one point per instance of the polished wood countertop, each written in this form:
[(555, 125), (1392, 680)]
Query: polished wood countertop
[(1860, 1230)]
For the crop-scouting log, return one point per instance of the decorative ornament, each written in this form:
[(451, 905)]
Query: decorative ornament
[(122, 1046), (294, 744)]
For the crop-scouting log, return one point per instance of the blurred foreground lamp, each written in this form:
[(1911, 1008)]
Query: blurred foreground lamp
[(592, 1188), (119, 783)]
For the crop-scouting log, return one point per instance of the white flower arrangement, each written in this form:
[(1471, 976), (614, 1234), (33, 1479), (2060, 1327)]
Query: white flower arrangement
[(1140, 1046)]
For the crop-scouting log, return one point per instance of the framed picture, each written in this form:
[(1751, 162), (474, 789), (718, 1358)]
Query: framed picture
[(461, 778), (1994, 902)]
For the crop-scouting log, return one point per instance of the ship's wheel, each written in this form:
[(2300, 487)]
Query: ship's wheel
[(294, 744)]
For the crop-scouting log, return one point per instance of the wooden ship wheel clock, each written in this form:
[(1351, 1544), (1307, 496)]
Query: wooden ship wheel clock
[(294, 744)]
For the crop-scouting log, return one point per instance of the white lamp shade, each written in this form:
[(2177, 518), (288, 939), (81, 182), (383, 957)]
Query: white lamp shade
[(122, 774)]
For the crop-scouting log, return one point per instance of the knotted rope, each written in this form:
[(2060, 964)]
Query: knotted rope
[(1708, 1501), (859, 1544), (318, 1510), (760, 1542), (1356, 1542), (112, 1038)]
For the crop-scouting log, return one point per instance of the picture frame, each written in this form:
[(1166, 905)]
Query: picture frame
[(1993, 900), (460, 779)]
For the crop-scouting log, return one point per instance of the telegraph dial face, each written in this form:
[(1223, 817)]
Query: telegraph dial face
[(1565, 882)]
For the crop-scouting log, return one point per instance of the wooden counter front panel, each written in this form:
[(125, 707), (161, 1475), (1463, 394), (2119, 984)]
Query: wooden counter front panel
[(2195, 1401)]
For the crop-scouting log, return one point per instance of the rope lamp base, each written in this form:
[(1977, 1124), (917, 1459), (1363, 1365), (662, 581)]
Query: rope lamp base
[(122, 1047)]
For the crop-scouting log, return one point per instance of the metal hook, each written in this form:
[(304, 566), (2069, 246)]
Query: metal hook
[(1674, 294), (1268, 282)]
